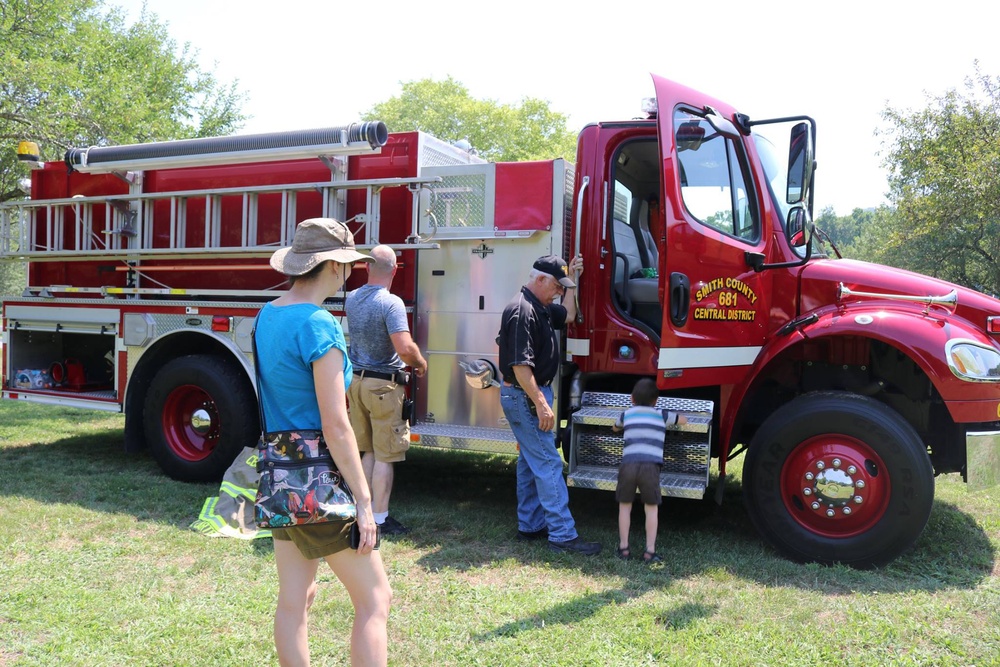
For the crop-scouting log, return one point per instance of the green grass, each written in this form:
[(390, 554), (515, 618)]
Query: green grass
[(98, 567)]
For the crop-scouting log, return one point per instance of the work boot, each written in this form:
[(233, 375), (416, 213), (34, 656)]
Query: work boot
[(576, 545), (527, 536), (392, 527)]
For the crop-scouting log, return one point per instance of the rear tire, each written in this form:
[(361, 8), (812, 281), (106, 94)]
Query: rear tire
[(199, 413), (834, 477)]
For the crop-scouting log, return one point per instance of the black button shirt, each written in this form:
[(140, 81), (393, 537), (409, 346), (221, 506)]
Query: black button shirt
[(528, 337)]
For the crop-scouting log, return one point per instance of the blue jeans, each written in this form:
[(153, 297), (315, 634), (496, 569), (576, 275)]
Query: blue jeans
[(542, 497)]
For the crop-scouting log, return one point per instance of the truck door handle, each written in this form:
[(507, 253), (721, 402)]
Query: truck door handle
[(680, 295)]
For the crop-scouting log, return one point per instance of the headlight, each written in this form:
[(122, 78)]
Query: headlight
[(973, 361)]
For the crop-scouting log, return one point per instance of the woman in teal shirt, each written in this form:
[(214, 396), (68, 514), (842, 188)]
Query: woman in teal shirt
[(304, 373)]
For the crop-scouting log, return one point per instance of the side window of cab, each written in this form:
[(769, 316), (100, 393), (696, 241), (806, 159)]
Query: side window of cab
[(714, 179)]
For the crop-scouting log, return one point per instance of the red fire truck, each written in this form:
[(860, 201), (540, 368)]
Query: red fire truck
[(845, 386)]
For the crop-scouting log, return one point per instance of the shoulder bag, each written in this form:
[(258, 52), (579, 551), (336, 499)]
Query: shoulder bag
[(299, 481)]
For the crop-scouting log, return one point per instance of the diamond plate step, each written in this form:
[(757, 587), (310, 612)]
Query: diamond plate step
[(598, 399), (671, 484), (697, 422), (596, 450), (457, 436)]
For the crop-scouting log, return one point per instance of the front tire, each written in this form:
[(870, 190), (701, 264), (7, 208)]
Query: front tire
[(834, 477), (200, 412)]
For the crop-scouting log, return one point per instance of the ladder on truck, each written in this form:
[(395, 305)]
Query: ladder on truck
[(596, 450), (125, 226)]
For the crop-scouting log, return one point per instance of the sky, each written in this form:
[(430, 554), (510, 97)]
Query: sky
[(320, 63)]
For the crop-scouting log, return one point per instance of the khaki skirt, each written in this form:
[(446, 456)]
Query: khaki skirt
[(318, 540)]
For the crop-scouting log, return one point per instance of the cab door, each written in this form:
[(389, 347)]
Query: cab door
[(716, 306)]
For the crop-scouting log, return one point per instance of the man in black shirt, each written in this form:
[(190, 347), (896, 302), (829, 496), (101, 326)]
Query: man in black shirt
[(529, 361)]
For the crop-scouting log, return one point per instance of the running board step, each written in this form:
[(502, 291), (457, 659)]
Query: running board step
[(697, 422), (599, 399), (671, 484), (596, 450)]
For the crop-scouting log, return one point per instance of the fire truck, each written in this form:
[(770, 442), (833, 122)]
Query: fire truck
[(845, 386)]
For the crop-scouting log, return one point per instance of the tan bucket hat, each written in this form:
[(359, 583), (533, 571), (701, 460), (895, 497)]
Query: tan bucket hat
[(317, 240)]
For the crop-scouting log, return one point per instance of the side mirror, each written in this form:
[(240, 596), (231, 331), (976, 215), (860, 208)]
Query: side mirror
[(799, 230), (800, 163), (798, 227), (690, 134)]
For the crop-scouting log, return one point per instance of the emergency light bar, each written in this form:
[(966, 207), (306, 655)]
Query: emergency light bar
[(347, 139)]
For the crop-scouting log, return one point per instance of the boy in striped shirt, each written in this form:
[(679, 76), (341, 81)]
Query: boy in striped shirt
[(645, 429)]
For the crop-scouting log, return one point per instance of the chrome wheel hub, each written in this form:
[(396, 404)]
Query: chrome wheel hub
[(833, 487)]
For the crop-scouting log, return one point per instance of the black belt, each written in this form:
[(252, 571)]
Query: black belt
[(520, 388), (399, 377)]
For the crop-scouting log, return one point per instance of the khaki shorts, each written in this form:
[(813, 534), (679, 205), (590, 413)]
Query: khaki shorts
[(645, 476), (376, 409), (318, 541)]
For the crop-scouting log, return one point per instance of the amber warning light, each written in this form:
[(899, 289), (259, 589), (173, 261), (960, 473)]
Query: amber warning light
[(27, 151)]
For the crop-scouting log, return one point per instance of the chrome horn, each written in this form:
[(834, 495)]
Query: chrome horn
[(949, 300)]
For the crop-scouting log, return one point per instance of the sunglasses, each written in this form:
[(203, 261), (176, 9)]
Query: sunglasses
[(561, 287)]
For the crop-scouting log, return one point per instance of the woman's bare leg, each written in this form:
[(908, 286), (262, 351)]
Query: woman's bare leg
[(296, 591), (367, 584)]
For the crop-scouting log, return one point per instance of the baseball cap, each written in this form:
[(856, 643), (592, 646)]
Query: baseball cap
[(555, 267)]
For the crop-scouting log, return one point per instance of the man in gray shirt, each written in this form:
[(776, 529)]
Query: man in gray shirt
[(380, 348)]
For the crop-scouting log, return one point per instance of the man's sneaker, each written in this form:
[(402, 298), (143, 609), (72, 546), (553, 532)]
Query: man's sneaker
[(576, 545), (528, 536), (392, 527)]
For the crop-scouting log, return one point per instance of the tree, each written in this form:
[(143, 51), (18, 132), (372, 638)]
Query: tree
[(75, 74), (498, 132), (944, 163), (845, 231)]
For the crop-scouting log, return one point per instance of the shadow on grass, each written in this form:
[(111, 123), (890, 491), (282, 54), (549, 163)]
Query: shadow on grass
[(95, 472), (462, 509), (585, 606)]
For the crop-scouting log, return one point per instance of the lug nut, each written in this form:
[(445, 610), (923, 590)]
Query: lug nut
[(860, 484), (851, 470), (847, 510), (810, 477), (815, 506), (820, 465), (807, 491), (858, 500), (836, 463), (830, 512)]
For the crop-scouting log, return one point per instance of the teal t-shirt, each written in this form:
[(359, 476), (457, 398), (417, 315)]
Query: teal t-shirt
[(289, 340)]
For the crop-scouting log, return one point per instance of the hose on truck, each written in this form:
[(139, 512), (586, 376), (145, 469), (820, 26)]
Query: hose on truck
[(353, 138)]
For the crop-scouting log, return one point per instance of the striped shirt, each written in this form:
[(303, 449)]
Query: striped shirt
[(645, 430)]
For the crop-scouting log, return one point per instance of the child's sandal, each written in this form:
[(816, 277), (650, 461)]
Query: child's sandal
[(651, 557), (624, 553)]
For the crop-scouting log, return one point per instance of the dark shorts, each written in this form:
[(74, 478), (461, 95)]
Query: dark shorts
[(318, 541), (645, 477)]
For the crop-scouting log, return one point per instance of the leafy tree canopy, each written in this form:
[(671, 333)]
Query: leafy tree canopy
[(845, 230), (75, 74), (498, 132), (944, 182)]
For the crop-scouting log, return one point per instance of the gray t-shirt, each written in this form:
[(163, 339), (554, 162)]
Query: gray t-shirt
[(373, 314)]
